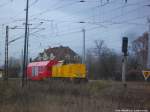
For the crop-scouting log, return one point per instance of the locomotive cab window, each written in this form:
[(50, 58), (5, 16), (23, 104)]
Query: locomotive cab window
[(34, 71)]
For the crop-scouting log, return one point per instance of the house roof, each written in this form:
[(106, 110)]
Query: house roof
[(60, 51), (41, 63)]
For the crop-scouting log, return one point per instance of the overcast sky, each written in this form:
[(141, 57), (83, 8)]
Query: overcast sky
[(57, 22)]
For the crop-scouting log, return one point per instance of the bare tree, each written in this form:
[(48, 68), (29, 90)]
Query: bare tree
[(140, 49), (99, 44), (101, 61), (14, 67)]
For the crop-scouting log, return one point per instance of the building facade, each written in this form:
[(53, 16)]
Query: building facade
[(1, 72), (59, 53)]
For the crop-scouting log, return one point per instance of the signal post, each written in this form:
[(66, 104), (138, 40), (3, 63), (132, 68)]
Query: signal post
[(124, 61)]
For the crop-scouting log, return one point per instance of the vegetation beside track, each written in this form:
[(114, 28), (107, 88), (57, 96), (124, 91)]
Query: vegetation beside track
[(59, 96)]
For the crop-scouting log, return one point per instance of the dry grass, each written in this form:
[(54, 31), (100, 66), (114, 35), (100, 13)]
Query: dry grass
[(59, 96)]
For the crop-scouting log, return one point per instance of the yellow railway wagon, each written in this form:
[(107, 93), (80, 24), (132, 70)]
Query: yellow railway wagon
[(69, 71)]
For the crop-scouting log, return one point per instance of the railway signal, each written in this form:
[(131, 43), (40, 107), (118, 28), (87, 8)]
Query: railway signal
[(125, 45)]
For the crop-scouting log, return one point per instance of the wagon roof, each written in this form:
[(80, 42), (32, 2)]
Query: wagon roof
[(41, 63)]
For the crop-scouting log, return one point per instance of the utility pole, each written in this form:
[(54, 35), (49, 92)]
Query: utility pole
[(124, 61), (21, 63), (27, 52), (83, 55), (148, 58), (25, 46), (6, 54)]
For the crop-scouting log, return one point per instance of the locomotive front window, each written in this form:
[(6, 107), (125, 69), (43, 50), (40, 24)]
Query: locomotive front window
[(35, 71)]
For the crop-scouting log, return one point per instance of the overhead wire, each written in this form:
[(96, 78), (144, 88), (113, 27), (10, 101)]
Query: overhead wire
[(76, 22), (120, 15), (6, 3), (123, 22), (111, 23), (115, 17), (21, 36), (108, 12), (105, 4), (33, 3), (128, 21), (33, 33), (49, 10), (87, 29), (126, 13), (114, 23), (123, 6), (13, 20), (87, 1)]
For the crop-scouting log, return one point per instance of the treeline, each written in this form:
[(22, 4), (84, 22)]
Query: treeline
[(14, 67), (105, 63)]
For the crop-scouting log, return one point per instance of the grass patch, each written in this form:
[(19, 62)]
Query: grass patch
[(59, 96)]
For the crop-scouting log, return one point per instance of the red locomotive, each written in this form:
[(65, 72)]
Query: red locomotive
[(40, 70)]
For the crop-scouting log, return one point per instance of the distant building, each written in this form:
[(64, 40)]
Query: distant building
[(1, 72), (59, 53)]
